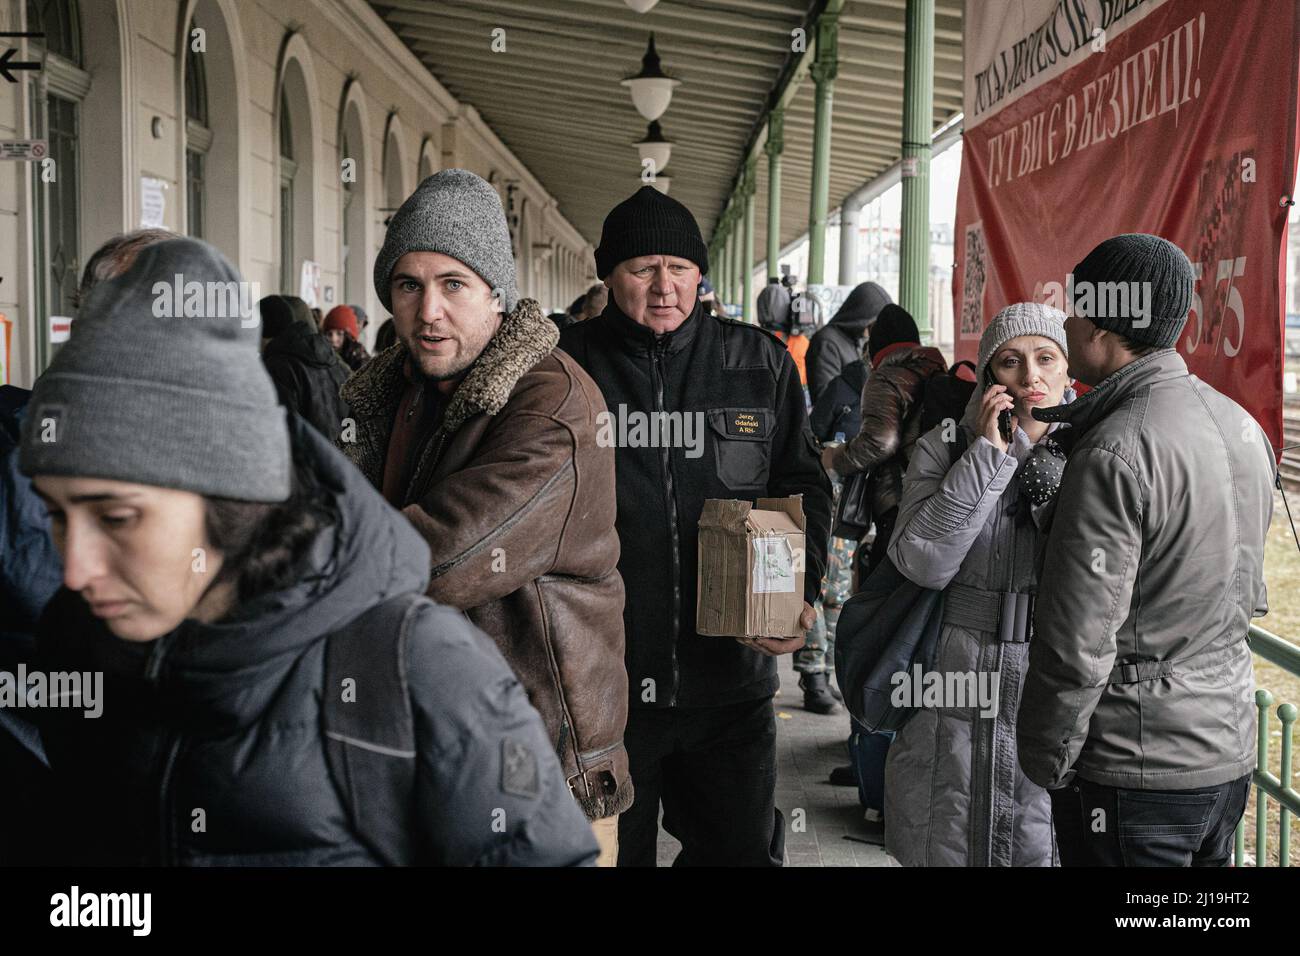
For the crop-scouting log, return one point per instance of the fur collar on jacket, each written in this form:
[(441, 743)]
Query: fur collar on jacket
[(526, 336)]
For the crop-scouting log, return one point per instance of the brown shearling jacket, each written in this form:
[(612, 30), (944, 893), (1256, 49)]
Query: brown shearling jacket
[(517, 503)]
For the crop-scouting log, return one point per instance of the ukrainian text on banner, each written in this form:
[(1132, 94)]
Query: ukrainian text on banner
[(1089, 118)]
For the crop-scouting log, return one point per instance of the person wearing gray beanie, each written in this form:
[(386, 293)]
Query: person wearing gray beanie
[(968, 525), (458, 214), (143, 394), (1140, 685), (223, 564), (1022, 318), (486, 437)]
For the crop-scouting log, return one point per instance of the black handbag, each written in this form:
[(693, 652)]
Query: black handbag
[(853, 510)]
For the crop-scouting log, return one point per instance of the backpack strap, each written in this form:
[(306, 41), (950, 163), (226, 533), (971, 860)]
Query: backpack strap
[(369, 729)]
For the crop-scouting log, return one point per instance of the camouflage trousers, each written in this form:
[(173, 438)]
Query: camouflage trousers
[(817, 656)]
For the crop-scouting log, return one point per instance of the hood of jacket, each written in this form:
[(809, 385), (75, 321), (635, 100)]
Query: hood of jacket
[(220, 675), (773, 305), (304, 343), (526, 336), (860, 309), (923, 359)]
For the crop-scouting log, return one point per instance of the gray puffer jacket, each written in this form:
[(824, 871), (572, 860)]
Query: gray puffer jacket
[(1140, 675), (954, 791)]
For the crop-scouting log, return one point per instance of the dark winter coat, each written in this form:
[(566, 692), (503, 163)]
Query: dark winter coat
[(308, 374), (30, 569), (210, 751), (838, 343), (515, 499), (353, 353), (1140, 675), (891, 421), (715, 371), (30, 574), (839, 408)]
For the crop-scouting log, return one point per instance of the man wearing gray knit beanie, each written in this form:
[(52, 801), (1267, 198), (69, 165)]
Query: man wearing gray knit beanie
[(1138, 706), (484, 436)]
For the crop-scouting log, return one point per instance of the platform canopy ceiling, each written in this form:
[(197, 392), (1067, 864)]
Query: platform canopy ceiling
[(553, 95)]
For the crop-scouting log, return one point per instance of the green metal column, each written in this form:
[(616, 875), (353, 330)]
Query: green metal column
[(747, 187), (918, 113), (724, 292), (720, 264), (774, 147), (824, 69), (737, 272)]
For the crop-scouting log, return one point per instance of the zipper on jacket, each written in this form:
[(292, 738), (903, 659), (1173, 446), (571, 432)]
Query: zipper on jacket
[(429, 469), (152, 671), (164, 803), (665, 460)]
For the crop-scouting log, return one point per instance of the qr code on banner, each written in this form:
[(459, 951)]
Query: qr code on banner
[(973, 282)]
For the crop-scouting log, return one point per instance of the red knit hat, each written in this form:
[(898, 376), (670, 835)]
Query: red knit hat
[(342, 317)]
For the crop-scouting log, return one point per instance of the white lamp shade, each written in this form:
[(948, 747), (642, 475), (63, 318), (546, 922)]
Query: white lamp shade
[(657, 153), (651, 95), (641, 6)]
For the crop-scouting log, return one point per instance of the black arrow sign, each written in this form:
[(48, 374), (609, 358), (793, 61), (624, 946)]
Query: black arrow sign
[(7, 64)]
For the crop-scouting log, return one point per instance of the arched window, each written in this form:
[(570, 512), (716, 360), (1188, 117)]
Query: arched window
[(198, 135), (59, 21), (288, 169), (55, 100)]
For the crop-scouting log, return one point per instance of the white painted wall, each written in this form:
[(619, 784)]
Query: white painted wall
[(134, 52)]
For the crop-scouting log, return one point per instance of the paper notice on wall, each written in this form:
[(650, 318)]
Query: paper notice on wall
[(773, 566), (6, 342), (309, 283), (153, 202), (60, 328)]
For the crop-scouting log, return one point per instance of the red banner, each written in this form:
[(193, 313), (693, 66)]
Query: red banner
[(1089, 118)]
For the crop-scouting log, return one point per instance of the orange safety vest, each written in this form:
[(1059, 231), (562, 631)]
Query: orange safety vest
[(797, 346)]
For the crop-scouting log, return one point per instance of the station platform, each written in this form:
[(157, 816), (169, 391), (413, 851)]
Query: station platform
[(808, 746)]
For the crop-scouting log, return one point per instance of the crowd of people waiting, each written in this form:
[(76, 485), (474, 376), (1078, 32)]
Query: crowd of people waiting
[(408, 608)]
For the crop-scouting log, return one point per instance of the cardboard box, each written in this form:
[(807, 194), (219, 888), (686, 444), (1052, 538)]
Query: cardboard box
[(751, 568)]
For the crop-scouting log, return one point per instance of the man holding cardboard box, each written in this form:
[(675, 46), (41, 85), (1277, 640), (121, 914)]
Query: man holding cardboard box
[(701, 408)]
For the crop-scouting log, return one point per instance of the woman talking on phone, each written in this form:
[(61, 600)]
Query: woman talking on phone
[(974, 499)]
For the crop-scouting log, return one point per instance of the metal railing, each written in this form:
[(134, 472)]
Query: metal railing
[(1281, 787)]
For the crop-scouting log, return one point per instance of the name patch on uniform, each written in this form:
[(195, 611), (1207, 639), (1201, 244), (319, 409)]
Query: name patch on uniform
[(744, 423)]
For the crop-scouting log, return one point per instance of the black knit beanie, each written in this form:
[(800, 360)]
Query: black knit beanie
[(648, 223), (281, 311), (892, 325), (1151, 305)]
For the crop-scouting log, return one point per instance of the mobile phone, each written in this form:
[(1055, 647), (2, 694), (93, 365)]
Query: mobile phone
[(1004, 417)]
